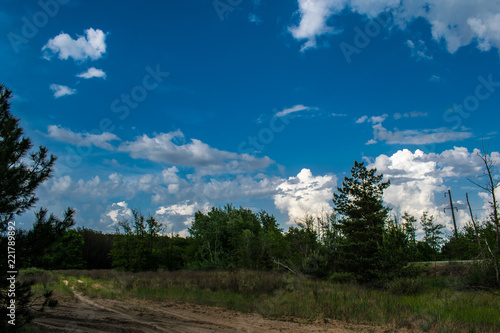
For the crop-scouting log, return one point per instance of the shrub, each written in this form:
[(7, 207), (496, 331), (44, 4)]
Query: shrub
[(36, 276), (482, 273), (412, 271), (406, 286), (342, 277)]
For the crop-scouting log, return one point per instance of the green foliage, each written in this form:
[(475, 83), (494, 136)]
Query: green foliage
[(172, 252), (19, 178), (362, 220), (425, 252), (407, 286), (304, 248), (96, 252), (482, 274), (463, 246), (394, 251), (68, 252), (410, 229), (233, 236), (342, 277), (137, 246), (433, 234), (45, 241)]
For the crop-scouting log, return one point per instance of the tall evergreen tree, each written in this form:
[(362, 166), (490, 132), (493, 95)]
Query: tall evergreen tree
[(19, 178), (20, 175), (362, 217), (433, 234), (42, 241)]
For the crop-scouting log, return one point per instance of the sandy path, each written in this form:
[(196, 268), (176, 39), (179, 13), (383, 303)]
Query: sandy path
[(84, 314)]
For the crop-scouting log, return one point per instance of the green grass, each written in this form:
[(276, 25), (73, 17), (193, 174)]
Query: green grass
[(435, 306)]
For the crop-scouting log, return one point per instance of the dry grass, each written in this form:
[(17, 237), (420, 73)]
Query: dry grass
[(435, 306)]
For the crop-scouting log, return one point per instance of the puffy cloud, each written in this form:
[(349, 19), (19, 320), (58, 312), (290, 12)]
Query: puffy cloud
[(60, 90), (92, 72), (91, 46), (181, 215), (108, 188), (82, 139), (458, 23), (305, 194), (163, 148), (362, 119), (241, 187), (313, 20), (486, 208), (115, 213), (416, 178), (61, 185)]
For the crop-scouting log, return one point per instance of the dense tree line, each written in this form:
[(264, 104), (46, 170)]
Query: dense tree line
[(359, 238)]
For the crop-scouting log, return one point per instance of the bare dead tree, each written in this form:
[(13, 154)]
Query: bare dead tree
[(474, 224), (493, 256), (489, 185), (487, 182)]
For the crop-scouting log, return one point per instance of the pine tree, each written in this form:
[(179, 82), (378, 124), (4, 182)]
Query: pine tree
[(19, 178), (433, 234), (362, 217)]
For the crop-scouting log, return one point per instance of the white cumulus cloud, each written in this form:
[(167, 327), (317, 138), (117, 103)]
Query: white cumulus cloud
[(418, 180), (313, 20), (455, 22), (82, 139), (305, 194), (92, 72), (90, 46), (115, 213), (60, 90), (169, 148)]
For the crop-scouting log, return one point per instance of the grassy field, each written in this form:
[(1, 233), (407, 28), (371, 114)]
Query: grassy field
[(431, 304)]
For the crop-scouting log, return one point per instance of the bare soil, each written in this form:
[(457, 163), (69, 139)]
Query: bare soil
[(84, 314)]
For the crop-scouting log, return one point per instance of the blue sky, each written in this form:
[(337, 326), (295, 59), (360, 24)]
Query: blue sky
[(173, 107)]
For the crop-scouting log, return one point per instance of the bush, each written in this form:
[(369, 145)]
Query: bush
[(406, 286), (482, 274), (341, 277), (411, 271), (36, 276)]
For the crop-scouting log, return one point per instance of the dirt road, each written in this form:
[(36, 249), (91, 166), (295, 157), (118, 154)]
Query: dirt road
[(82, 314)]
